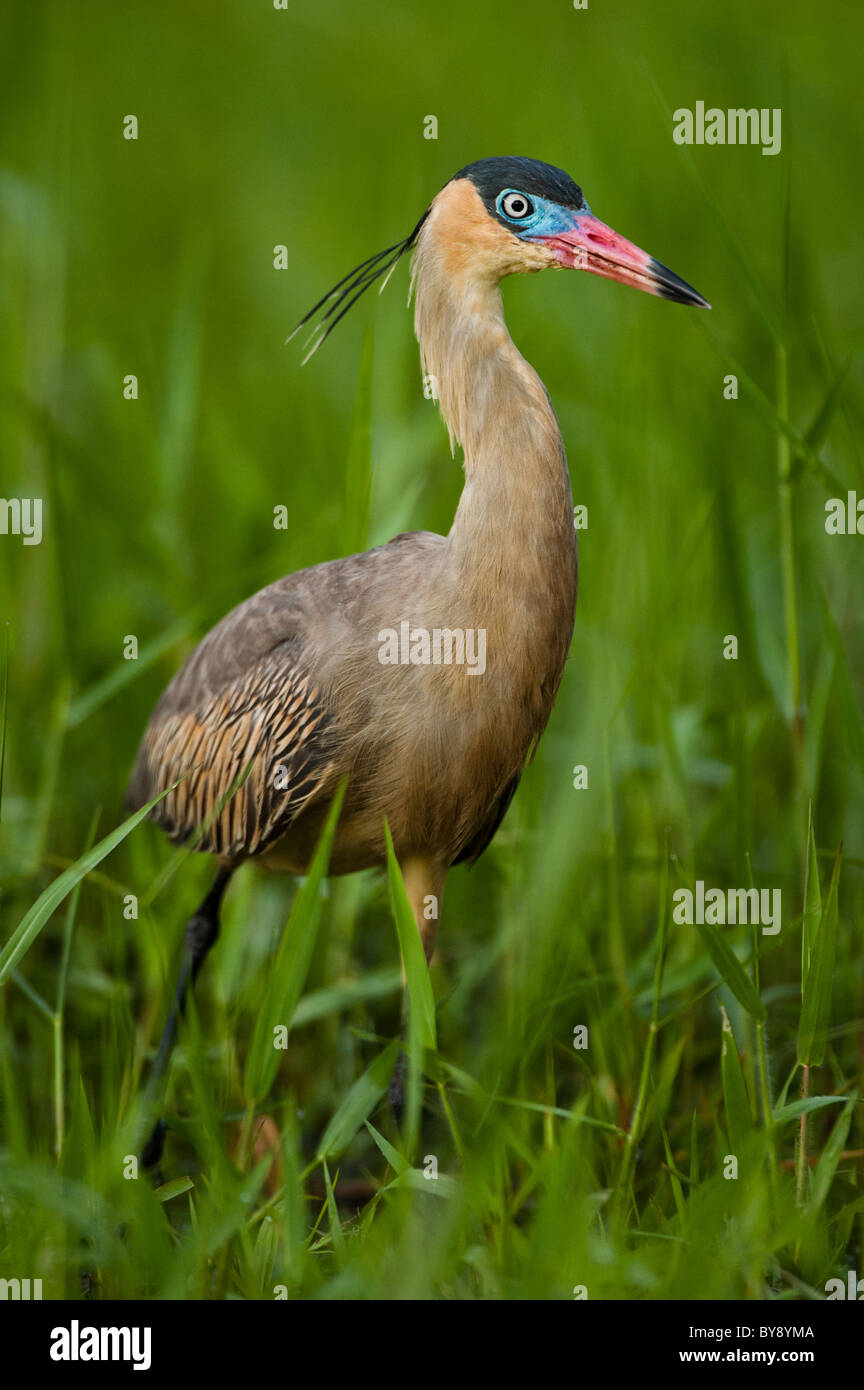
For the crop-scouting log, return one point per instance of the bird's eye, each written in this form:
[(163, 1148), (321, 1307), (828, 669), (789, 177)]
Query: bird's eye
[(515, 205)]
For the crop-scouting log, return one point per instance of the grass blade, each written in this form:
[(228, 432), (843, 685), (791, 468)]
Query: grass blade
[(292, 966), (421, 998), (337, 1235), (731, 971), (48, 901), (817, 432), (794, 1111), (421, 1001), (125, 672), (358, 1103), (393, 1156), (812, 902), (830, 1156), (816, 1006), (735, 1099)]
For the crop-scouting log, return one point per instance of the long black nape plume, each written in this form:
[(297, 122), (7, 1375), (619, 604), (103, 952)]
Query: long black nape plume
[(350, 288)]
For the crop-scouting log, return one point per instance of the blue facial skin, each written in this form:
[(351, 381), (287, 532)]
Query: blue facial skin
[(548, 219)]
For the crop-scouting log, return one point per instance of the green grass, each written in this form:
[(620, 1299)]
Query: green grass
[(559, 1167)]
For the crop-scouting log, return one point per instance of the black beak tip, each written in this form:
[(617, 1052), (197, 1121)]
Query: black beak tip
[(671, 286)]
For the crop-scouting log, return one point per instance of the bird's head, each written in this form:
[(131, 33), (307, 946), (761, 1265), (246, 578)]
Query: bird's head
[(507, 216), (515, 215)]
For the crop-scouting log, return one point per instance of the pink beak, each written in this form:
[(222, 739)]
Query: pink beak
[(590, 245)]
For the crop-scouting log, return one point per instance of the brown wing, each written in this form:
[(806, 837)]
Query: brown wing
[(249, 696), (483, 836), (267, 723)]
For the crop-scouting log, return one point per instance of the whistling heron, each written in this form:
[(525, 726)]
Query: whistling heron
[(293, 684)]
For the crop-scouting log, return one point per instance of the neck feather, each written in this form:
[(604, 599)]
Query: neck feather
[(468, 354), (515, 515)]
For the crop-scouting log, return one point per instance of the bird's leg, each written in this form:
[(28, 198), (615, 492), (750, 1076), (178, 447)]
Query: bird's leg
[(424, 884), (202, 930)]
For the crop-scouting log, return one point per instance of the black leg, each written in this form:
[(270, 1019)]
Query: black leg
[(202, 930), (396, 1091)]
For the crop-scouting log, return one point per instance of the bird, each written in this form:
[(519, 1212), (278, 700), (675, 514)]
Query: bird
[(420, 673)]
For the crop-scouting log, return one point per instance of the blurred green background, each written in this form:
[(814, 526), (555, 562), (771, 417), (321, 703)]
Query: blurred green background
[(305, 128)]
